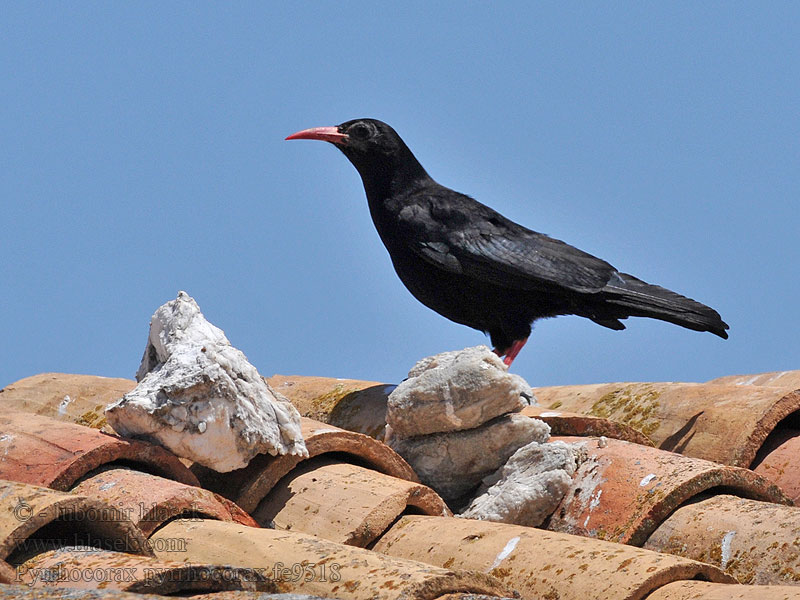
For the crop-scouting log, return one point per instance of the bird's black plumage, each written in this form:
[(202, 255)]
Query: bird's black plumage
[(474, 266)]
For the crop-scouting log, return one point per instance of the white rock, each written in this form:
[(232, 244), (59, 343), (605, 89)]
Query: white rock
[(455, 391), (529, 487), (455, 463), (200, 398)]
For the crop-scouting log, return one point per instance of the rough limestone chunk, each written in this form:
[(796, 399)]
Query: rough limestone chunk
[(454, 391), (529, 487), (199, 397), (455, 463)]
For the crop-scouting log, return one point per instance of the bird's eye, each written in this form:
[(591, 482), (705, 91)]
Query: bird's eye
[(360, 131)]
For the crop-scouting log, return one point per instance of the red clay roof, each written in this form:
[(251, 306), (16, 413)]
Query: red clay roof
[(648, 521)]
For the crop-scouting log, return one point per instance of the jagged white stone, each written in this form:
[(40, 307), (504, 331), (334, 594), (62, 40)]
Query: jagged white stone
[(454, 463), (199, 397), (529, 487), (455, 391)]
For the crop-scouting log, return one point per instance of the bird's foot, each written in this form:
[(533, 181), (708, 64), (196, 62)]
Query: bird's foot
[(512, 352)]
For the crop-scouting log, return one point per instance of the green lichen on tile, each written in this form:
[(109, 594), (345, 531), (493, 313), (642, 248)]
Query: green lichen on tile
[(359, 410), (733, 567), (556, 404), (715, 554), (746, 577), (322, 406), (501, 572), (635, 406), (790, 574), (362, 536), (93, 418)]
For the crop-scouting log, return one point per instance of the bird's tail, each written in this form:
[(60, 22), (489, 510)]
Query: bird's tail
[(640, 299)]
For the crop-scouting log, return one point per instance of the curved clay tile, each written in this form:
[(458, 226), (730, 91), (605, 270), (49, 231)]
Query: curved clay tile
[(240, 595), (248, 486), (347, 403), (42, 451), (7, 574), (78, 399), (703, 590), (540, 564), (149, 500), (304, 564), (723, 423), (464, 596), (754, 541), (26, 592), (262, 596), (79, 568), (784, 379), (568, 423), (623, 491), (777, 460), (34, 517), (343, 502)]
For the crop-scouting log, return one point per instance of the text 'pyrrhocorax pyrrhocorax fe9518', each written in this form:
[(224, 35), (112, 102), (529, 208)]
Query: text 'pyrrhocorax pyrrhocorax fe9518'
[(474, 266)]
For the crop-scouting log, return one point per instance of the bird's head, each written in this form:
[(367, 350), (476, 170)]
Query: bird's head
[(374, 148)]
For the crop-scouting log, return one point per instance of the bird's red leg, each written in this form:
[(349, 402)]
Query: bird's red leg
[(513, 351)]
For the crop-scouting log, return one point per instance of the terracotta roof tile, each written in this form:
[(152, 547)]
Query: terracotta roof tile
[(7, 573), (777, 460), (248, 486), (354, 489), (745, 420), (540, 564), (784, 379), (347, 403), (574, 424), (84, 568), (149, 501), (77, 399), (463, 596), (343, 502), (756, 542), (701, 590), (33, 517), (42, 451), (241, 595), (306, 564), (26, 592), (723, 423), (623, 491)]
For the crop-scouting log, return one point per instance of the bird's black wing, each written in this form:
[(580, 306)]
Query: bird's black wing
[(460, 235)]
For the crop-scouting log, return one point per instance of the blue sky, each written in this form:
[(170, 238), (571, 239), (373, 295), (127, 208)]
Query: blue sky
[(143, 154)]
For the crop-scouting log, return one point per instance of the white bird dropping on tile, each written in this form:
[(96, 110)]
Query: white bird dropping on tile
[(504, 553), (199, 397), (647, 479), (725, 548)]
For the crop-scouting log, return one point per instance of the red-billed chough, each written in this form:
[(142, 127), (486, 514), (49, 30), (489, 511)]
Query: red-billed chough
[(472, 265)]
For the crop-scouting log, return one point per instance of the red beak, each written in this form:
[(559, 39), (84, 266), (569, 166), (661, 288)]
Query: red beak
[(326, 134)]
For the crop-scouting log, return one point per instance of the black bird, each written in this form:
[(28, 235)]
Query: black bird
[(474, 266)]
